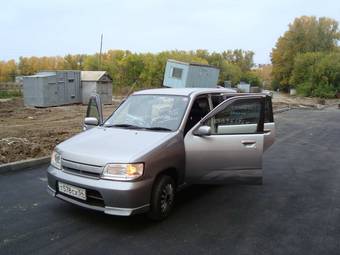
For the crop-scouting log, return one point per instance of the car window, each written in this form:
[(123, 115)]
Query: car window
[(199, 109), (150, 111), (217, 99), (241, 117)]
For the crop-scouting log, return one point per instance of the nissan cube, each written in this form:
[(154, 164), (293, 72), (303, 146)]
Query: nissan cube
[(156, 142)]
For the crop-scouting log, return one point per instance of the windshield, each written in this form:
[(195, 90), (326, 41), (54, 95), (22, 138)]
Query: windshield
[(154, 112)]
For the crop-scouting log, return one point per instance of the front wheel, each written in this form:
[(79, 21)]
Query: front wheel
[(162, 197)]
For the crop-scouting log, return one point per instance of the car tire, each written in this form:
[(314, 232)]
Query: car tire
[(162, 198)]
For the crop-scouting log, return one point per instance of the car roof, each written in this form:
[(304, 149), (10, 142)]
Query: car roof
[(183, 91)]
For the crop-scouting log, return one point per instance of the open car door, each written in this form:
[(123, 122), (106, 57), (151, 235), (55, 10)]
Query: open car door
[(94, 113), (227, 144), (269, 124)]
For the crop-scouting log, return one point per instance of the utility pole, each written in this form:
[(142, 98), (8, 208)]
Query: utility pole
[(100, 52)]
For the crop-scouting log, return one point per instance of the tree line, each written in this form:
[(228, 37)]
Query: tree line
[(306, 57), (138, 69)]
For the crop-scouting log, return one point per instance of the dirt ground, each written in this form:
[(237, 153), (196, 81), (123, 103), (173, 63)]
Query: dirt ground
[(281, 100), (33, 132)]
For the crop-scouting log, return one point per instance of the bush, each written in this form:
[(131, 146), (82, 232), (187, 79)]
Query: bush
[(305, 89), (10, 93), (324, 90), (252, 78), (317, 74)]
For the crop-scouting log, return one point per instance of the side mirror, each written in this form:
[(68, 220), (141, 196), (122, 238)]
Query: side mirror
[(90, 122), (203, 131)]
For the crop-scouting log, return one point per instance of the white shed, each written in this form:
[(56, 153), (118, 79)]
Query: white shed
[(189, 75), (96, 82), (244, 87)]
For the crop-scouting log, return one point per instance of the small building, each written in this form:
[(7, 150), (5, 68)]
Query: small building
[(227, 84), (255, 89), (189, 75), (96, 82), (52, 88), (19, 79), (244, 87)]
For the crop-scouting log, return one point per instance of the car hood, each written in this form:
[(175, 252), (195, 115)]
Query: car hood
[(99, 146)]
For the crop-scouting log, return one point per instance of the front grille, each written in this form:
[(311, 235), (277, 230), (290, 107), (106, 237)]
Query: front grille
[(80, 172), (94, 198), (85, 170)]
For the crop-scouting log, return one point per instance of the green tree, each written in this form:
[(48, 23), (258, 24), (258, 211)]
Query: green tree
[(74, 62), (252, 78), (304, 70), (317, 74), (230, 72), (8, 70), (243, 59), (143, 70), (305, 34), (264, 72)]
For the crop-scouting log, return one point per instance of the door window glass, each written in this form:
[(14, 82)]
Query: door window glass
[(241, 117), (216, 99)]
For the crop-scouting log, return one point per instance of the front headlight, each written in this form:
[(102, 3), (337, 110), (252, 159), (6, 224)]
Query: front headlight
[(56, 159), (124, 172)]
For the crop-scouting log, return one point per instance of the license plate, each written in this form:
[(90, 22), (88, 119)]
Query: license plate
[(72, 190)]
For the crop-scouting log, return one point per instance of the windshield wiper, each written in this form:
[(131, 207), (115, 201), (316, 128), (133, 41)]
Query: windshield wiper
[(158, 128), (138, 127), (124, 126)]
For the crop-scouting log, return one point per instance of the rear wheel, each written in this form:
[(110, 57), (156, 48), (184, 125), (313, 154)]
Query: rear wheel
[(162, 197)]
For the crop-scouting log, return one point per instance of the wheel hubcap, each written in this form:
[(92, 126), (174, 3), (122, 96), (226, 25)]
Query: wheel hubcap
[(167, 197)]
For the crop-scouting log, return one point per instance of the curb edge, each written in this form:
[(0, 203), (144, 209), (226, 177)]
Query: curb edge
[(23, 164)]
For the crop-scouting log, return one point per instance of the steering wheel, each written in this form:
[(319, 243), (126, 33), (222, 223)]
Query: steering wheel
[(137, 121)]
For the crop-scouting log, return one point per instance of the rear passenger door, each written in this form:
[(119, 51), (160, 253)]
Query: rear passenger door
[(233, 146)]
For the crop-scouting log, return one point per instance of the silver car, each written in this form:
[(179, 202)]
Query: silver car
[(157, 141)]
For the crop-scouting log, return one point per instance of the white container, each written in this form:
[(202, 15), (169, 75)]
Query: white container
[(292, 92), (189, 75)]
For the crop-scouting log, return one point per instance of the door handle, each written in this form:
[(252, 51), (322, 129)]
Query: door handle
[(266, 131), (248, 142)]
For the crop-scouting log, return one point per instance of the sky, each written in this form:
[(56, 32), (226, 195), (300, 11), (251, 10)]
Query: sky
[(51, 28)]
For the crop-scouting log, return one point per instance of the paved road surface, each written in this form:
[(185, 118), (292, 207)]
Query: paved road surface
[(295, 211)]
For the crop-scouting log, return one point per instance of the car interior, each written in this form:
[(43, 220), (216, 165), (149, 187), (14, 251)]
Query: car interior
[(199, 109)]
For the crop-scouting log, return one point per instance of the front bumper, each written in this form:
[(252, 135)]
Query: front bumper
[(111, 197)]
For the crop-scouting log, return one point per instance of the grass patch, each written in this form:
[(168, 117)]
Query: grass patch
[(10, 93)]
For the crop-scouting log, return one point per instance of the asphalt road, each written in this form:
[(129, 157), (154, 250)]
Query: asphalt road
[(295, 211)]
